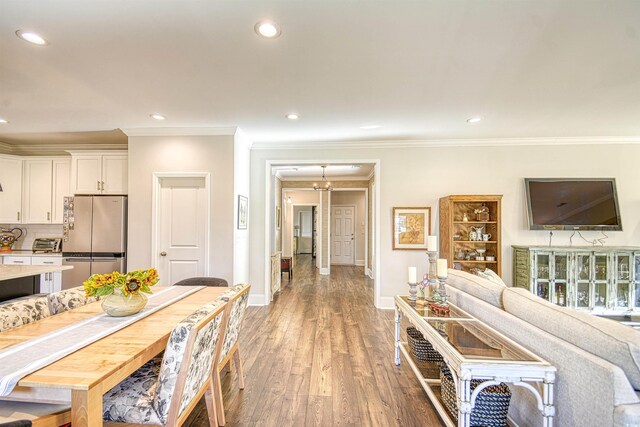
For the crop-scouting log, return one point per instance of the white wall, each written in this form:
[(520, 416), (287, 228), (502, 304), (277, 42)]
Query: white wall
[(213, 154), (420, 176), (357, 199), (241, 186)]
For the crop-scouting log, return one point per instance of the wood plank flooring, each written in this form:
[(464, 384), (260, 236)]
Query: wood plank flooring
[(321, 355)]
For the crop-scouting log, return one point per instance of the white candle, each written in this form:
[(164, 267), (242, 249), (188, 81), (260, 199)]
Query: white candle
[(413, 275), (432, 243), (442, 267)]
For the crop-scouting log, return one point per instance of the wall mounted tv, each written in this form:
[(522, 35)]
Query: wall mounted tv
[(573, 204)]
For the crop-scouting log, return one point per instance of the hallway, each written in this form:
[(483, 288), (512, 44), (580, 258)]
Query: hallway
[(322, 355)]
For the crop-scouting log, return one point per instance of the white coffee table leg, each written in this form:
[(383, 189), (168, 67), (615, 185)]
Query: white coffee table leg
[(398, 316), (548, 410), (464, 403)]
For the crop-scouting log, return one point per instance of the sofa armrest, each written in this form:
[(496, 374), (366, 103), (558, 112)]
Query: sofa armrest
[(627, 415)]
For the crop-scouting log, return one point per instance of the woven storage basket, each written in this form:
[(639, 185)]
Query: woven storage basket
[(421, 348), (492, 403)]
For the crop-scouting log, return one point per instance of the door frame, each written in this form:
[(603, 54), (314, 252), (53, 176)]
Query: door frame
[(268, 195), (366, 230), (155, 215), (355, 209), (293, 205)]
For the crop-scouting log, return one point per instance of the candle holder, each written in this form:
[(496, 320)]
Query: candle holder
[(442, 291), (413, 291), (433, 256)]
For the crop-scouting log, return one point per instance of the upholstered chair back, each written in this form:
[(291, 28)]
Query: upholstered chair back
[(238, 298), (68, 299), (188, 360), (23, 311)]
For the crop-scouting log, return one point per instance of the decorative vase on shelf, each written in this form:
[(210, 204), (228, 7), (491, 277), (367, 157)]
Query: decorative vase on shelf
[(118, 304)]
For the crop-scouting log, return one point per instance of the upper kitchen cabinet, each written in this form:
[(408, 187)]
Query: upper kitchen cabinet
[(46, 181), (11, 193), (99, 173)]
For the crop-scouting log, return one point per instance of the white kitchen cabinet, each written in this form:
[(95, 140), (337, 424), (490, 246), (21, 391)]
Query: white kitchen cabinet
[(49, 282), (16, 260), (99, 173), (45, 183), (11, 194)]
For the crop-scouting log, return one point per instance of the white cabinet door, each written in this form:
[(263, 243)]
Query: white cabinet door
[(86, 174), (114, 174), (61, 186), (36, 196), (11, 194), (49, 282)]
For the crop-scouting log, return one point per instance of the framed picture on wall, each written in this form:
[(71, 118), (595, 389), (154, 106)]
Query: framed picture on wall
[(411, 226), (243, 212), (278, 217)]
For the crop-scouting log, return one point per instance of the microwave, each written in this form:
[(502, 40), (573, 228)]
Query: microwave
[(47, 245)]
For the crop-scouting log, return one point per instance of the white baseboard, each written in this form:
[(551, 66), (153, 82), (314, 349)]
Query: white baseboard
[(369, 273), (360, 262), (325, 271), (257, 300), (385, 303)]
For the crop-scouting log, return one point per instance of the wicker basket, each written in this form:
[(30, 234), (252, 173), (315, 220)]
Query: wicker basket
[(421, 348), (491, 406)]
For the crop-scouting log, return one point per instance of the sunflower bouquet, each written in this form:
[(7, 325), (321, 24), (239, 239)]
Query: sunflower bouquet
[(129, 283)]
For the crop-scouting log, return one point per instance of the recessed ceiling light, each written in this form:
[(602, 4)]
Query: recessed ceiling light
[(475, 119), (268, 29), (31, 37), (3, 121), (157, 116), (370, 126), (292, 116)]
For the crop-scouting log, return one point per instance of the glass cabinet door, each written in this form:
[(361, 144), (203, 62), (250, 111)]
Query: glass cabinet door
[(542, 269), (622, 265), (601, 271), (584, 296), (559, 276)]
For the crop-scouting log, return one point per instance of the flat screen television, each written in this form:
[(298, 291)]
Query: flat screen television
[(573, 204)]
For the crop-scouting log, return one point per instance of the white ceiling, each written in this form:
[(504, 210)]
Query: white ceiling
[(531, 68)]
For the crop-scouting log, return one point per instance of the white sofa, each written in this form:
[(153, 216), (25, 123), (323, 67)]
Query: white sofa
[(598, 360)]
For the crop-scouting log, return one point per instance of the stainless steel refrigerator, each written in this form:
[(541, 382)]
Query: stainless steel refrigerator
[(94, 237)]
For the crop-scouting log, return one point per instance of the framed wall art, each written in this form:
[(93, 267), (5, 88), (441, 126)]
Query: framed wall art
[(411, 226), (243, 212)]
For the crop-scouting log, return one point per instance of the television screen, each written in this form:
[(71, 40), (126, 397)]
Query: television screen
[(573, 204)]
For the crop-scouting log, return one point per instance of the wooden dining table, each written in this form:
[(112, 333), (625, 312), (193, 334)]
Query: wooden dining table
[(83, 377)]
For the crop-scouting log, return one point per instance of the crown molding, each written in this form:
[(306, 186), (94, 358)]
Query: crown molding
[(483, 142), (56, 149), (180, 131), (329, 178)]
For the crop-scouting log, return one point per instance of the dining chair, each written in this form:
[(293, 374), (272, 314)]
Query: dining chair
[(238, 297), (23, 311), (164, 391), (68, 299), (19, 414), (202, 281)]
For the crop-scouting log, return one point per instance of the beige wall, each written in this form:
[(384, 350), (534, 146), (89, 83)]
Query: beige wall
[(301, 197), (419, 176), (357, 199), (212, 154)]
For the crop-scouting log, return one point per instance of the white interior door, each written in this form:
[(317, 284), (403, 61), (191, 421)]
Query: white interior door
[(306, 232), (342, 235), (182, 228)]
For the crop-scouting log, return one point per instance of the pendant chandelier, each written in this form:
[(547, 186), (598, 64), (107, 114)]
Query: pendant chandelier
[(325, 185)]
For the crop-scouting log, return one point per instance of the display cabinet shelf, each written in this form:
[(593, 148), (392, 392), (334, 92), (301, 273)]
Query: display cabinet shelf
[(457, 239), (584, 278)]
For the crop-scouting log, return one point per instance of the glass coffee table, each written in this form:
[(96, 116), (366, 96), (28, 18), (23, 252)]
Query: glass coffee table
[(472, 350)]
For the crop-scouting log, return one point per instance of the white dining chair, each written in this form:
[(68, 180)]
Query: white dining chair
[(164, 391), (238, 297)]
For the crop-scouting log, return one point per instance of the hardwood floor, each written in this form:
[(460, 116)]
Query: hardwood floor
[(321, 355)]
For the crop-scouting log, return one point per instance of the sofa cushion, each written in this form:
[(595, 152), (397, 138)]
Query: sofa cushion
[(491, 276), (614, 342), (478, 287)]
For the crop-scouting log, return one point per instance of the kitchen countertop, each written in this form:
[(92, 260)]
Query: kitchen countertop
[(16, 271), (24, 252)]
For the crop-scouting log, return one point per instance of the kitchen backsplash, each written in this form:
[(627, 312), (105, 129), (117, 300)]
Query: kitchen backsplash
[(32, 232)]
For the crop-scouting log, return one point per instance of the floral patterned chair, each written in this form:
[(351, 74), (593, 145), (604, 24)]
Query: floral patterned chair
[(238, 296), (68, 299), (23, 311), (164, 391)]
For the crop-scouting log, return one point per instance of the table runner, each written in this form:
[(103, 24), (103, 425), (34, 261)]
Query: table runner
[(20, 360)]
